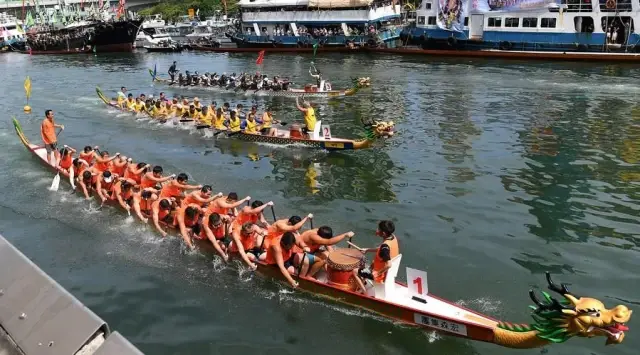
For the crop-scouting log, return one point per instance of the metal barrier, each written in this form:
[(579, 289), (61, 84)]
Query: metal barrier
[(41, 317)]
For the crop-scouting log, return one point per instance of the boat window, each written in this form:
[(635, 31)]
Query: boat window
[(421, 20), (577, 5), (615, 6), (530, 22), (427, 6), (617, 28), (547, 22), (494, 22), (583, 24), (432, 20), (512, 22), (466, 21)]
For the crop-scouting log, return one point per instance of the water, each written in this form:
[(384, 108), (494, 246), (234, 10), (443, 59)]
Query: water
[(500, 171)]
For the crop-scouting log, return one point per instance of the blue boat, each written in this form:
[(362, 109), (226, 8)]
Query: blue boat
[(524, 25)]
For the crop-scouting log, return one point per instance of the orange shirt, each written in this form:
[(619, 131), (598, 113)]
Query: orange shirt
[(66, 162), (379, 264), (118, 169), (248, 243), (88, 157), (271, 258), (170, 190), (146, 182), (48, 131), (135, 177), (103, 166)]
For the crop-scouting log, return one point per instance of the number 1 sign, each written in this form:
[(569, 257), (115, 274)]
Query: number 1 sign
[(417, 281)]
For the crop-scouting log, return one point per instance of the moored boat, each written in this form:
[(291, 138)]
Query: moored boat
[(321, 138), (310, 90), (164, 47), (555, 321)]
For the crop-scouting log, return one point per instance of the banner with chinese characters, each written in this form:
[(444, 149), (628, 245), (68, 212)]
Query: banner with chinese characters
[(451, 14), (484, 6)]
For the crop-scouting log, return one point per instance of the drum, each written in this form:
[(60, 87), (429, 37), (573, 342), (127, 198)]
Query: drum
[(340, 265), (295, 131)]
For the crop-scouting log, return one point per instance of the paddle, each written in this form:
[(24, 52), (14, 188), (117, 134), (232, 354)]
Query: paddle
[(203, 126), (273, 213), (55, 184), (188, 120)]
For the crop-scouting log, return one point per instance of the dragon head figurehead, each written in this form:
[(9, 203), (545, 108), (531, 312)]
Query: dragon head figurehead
[(379, 129), (361, 82), (557, 321)]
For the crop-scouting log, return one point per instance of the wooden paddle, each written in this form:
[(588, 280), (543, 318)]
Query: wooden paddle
[(55, 184), (273, 213), (187, 120)]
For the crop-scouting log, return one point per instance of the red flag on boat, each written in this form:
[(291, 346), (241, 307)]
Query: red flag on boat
[(260, 57)]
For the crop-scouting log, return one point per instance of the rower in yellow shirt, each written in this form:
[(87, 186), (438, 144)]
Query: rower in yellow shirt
[(220, 120), (250, 124), (234, 122), (130, 103), (196, 103), (309, 117), (267, 121), (205, 116), (140, 106)]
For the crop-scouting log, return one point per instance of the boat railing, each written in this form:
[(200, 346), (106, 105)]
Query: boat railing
[(309, 40)]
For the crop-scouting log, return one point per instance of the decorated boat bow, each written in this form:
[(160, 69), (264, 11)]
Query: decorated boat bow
[(556, 321)]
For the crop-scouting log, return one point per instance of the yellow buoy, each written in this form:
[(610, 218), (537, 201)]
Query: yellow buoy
[(27, 108)]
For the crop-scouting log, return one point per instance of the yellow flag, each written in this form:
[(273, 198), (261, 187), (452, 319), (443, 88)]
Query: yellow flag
[(27, 87)]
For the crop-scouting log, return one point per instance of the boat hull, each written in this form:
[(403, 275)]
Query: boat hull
[(333, 144), (393, 311)]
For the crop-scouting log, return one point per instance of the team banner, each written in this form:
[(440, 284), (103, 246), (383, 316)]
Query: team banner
[(451, 13)]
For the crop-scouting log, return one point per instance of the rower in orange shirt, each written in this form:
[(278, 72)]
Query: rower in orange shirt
[(154, 177), (86, 182), (245, 243), (281, 253), (143, 200), (66, 158), (119, 165), (227, 206), (316, 239), (104, 161), (279, 227), (187, 218), (175, 188), (123, 192), (201, 197), (252, 214), (161, 210), (216, 228), (104, 185), (88, 154), (50, 138), (134, 171)]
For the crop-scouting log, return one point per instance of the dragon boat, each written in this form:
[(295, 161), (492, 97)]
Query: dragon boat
[(554, 320), (310, 90), (320, 139)]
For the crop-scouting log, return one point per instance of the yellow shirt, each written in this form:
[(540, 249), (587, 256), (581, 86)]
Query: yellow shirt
[(251, 127), (220, 122), (234, 126), (140, 106), (131, 104), (267, 119), (206, 119), (310, 118)]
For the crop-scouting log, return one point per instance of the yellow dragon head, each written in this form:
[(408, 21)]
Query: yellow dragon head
[(362, 82), (379, 129), (557, 321)]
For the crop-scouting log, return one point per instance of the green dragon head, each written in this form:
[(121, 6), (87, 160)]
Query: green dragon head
[(557, 321)]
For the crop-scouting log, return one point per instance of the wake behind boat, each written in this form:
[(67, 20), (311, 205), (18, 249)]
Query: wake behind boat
[(320, 138), (555, 321), (259, 86)]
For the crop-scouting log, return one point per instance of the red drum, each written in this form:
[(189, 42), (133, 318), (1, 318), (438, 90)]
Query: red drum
[(295, 131), (340, 265)]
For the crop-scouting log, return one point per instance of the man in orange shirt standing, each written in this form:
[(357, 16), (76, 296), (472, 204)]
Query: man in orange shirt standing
[(49, 137)]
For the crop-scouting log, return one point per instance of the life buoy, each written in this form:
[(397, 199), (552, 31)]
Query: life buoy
[(505, 45), (452, 41), (611, 4)]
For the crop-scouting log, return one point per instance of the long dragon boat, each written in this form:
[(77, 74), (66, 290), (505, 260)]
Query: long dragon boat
[(554, 320), (310, 90), (320, 139)]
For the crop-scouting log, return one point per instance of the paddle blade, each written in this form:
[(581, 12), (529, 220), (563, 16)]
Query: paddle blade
[(55, 184), (71, 178)]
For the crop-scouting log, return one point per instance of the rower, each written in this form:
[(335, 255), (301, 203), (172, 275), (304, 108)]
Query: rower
[(201, 197), (134, 171), (119, 165), (216, 228), (239, 111), (250, 125), (192, 113), (317, 76), (309, 117), (205, 117), (77, 169), (267, 121), (104, 184), (388, 250), (50, 138), (86, 183), (161, 210), (163, 98), (175, 188), (154, 177), (187, 218), (143, 200), (122, 96), (279, 227), (245, 243), (172, 72), (252, 214), (315, 239), (196, 103), (66, 158), (103, 161), (88, 154), (281, 254), (123, 192), (220, 120), (140, 105), (234, 122), (157, 111), (227, 206)]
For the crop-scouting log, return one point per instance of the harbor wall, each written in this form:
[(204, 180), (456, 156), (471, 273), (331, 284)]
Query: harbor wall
[(38, 316)]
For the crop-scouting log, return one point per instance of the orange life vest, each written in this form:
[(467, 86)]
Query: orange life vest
[(146, 182), (66, 162), (88, 157), (248, 242), (271, 258), (218, 232), (170, 190), (379, 264), (103, 166)]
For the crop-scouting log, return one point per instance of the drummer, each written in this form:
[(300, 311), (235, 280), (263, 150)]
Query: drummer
[(388, 250), (320, 242)]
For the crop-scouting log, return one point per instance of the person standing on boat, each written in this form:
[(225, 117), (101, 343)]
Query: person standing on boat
[(172, 71), (50, 138), (388, 250), (317, 76), (309, 117)]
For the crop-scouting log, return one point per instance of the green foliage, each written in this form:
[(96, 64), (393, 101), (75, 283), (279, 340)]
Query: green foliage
[(172, 9)]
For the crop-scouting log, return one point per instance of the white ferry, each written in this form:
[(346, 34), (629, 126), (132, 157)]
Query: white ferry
[(152, 31), (11, 32), (325, 23), (524, 25)]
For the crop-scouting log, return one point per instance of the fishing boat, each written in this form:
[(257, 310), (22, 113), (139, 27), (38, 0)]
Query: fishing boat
[(321, 138), (310, 90), (582, 30), (12, 36), (554, 320)]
